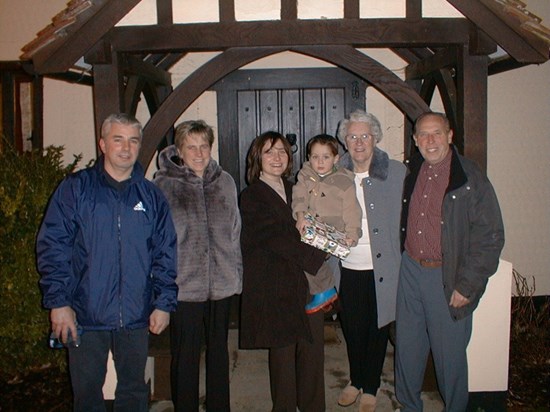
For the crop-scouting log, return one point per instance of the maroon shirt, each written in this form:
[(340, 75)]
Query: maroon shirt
[(423, 239)]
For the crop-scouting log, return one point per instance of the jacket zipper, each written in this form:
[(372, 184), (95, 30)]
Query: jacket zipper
[(119, 266)]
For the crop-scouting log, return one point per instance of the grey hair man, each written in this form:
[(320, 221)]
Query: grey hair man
[(452, 236), (106, 253)]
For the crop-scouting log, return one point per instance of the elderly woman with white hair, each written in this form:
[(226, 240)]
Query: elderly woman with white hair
[(368, 284)]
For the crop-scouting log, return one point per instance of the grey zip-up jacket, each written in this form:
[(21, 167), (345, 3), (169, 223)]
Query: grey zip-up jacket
[(472, 234)]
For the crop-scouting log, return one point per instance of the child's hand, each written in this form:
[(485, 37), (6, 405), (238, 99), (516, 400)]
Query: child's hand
[(350, 242), (301, 224)]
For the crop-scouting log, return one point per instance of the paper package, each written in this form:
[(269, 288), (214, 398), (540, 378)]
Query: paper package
[(325, 237)]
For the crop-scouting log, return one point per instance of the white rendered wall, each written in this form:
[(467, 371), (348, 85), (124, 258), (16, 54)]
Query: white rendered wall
[(519, 106), (489, 347), (518, 162)]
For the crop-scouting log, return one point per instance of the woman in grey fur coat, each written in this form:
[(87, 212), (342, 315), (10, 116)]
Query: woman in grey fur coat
[(203, 201)]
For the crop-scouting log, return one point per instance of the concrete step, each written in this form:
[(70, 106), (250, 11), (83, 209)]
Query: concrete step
[(249, 377)]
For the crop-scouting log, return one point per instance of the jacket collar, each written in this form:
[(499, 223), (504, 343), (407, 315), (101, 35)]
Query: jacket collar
[(378, 167), (171, 166), (137, 171), (458, 176)]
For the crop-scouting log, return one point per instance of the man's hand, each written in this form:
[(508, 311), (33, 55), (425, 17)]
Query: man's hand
[(63, 319), (457, 300), (158, 321)]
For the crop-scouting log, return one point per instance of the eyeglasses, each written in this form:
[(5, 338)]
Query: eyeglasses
[(355, 138)]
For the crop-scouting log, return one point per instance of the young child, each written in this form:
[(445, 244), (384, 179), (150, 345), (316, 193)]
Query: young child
[(328, 193)]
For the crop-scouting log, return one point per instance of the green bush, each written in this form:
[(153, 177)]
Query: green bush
[(26, 183)]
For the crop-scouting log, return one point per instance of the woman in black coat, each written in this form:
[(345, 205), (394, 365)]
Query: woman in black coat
[(275, 288)]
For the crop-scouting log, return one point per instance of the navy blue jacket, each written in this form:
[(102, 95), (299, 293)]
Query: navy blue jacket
[(108, 254)]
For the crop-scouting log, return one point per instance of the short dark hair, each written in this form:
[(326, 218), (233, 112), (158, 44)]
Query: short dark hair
[(323, 139), (254, 157)]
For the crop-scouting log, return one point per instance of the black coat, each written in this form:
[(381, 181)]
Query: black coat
[(275, 289)]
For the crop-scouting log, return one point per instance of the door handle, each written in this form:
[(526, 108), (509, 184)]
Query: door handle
[(291, 137), (293, 140)]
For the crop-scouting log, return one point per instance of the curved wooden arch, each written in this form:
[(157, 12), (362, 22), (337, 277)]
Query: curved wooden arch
[(386, 82), (402, 95)]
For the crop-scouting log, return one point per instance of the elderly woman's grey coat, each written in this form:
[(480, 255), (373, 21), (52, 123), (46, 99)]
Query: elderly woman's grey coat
[(208, 225), (383, 189)]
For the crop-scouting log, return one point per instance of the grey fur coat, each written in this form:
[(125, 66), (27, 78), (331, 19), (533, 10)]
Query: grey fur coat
[(208, 225)]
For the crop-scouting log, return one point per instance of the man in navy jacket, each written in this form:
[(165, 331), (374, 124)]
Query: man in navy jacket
[(106, 253)]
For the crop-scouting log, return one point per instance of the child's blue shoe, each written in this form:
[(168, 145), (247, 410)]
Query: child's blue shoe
[(321, 300)]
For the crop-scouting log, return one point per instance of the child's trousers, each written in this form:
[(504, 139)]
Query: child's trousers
[(323, 280)]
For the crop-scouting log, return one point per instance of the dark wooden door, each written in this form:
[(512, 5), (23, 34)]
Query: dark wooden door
[(299, 103)]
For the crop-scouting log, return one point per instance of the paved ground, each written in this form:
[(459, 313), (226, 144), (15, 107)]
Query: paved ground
[(250, 380)]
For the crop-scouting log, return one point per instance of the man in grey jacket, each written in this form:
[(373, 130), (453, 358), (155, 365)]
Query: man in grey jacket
[(452, 236)]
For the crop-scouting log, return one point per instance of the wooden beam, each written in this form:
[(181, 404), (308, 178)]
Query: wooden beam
[(414, 9), (38, 112), (169, 60), (100, 53), (133, 65), (408, 143), (164, 12), (60, 55), (361, 33), (132, 93), (480, 42), (351, 9), (472, 107), (253, 79), (503, 29), (504, 65), (427, 90), (289, 10), (73, 77), (448, 91), (8, 114), (227, 10), (151, 97), (406, 54), (422, 68), (108, 91), (163, 61)]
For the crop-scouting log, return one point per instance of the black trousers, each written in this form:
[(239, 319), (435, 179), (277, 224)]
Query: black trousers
[(186, 331), (296, 372), (366, 343)]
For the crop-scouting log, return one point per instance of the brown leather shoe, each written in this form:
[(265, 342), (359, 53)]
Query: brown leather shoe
[(367, 403), (349, 395)]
